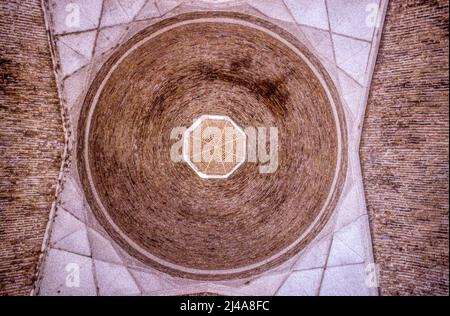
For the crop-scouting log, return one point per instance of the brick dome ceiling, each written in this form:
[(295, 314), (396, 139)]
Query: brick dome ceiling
[(167, 76)]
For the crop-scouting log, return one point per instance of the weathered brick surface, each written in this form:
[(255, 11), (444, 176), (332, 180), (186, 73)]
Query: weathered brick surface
[(31, 142), (405, 150)]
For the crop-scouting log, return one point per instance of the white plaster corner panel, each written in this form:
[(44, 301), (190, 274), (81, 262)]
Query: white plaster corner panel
[(320, 41), (67, 274), (314, 256), (74, 51), (71, 199), (164, 6), (347, 280), (102, 248), (273, 8), (70, 16), (119, 12), (64, 224), (352, 56), (151, 282), (74, 87), (76, 242), (302, 283), (354, 18), (309, 12), (109, 38), (266, 285), (149, 10), (114, 279)]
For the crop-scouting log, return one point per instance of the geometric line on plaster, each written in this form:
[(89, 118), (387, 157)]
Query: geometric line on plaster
[(74, 85), (349, 244), (114, 279), (82, 43), (341, 254), (113, 14), (72, 200), (350, 209), (272, 8), (69, 59), (347, 280), (151, 282), (352, 92), (132, 8), (315, 255), (64, 15), (64, 224), (309, 12), (352, 56), (320, 41), (109, 38), (149, 10), (351, 18), (265, 285), (55, 274), (76, 242), (301, 283), (102, 248), (164, 6)]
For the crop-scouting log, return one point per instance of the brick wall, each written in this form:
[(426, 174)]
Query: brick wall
[(405, 150), (31, 142)]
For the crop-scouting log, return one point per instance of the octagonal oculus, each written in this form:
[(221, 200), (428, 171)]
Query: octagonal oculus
[(214, 146)]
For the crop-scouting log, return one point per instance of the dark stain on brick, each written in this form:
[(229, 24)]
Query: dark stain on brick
[(240, 63), (8, 72), (271, 91)]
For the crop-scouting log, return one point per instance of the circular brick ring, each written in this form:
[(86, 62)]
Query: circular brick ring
[(167, 76)]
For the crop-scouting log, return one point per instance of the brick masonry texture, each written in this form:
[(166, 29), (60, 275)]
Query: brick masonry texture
[(31, 142), (405, 150)]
